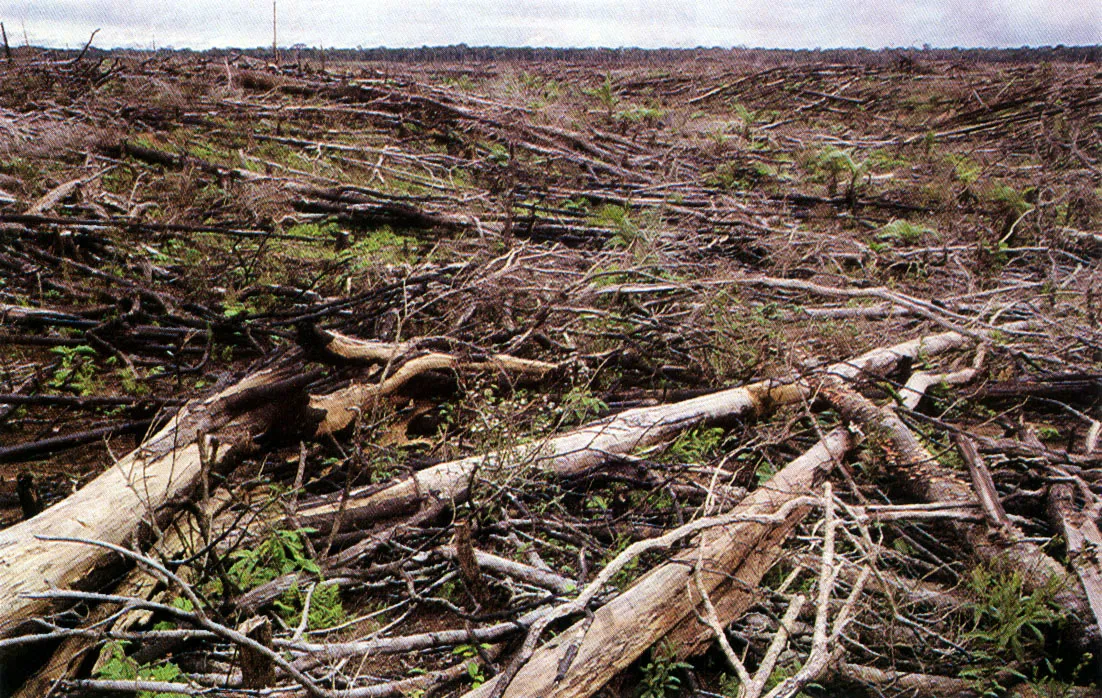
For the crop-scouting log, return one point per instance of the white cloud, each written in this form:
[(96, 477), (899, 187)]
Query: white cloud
[(647, 23)]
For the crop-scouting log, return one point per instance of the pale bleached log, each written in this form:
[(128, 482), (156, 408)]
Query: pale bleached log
[(579, 450), (624, 628), (337, 410), (370, 350), (144, 487), (183, 534), (148, 484)]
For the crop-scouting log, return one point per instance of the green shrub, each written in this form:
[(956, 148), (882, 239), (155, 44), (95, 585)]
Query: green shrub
[(904, 232)]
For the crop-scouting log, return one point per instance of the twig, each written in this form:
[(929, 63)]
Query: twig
[(196, 616)]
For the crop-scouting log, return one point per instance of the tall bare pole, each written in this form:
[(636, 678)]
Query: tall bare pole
[(7, 49), (275, 49)]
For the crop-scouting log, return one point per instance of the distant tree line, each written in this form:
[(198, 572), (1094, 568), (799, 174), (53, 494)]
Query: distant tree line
[(461, 53)]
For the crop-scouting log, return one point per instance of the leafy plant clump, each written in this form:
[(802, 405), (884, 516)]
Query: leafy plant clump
[(282, 552), (77, 372), (1008, 624), (120, 667), (904, 232), (660, 673)]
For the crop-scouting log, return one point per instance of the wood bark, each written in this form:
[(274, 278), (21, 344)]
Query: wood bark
[(590, 446), (121, 505), (624, 628), (1084, 542)]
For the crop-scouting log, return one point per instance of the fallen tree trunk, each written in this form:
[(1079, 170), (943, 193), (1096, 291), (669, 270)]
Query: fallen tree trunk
[(624, 628), (734, 596), (138, 493), (182, 534), (1083, 542), (577, 451), (1001, 545)]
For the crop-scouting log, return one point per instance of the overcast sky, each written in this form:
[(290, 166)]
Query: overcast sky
[(644, 23)]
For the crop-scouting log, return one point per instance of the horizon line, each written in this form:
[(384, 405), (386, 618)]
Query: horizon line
[(622, 47)]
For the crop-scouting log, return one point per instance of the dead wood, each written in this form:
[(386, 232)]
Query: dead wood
[(908, 683), (592, 445), (625, 627), (140, 489), (920, 473), (54, 444), (583, 295), (1083, 542)]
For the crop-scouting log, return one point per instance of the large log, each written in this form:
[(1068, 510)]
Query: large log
[(139, 493), (135, 495), (625, 627), (735, 595), (590, 446), (999, 544)]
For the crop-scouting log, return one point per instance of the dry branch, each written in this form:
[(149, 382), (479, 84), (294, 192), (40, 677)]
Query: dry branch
[(592, 445), (920, 473), (625, 627)]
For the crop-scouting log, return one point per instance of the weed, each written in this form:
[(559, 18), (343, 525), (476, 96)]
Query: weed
[(326, 608), (77, 371), (120, 667), (659, 679), (381, 245), (474, 671), (779, 674), (325, 230), (461, 83), (277, 153), (835, 166), (606, 95), (745, 338), (747, 117), (695, 445), (881, 159), (579, 405), (730, 175), (545, 90), (1044, 685), (1048, 433), (965, 169), (131, 381), (904, 231), (498, 153), (625, 231), (728, 685), (1010, 198), (1007, 623), (640, 115), (282, 552)]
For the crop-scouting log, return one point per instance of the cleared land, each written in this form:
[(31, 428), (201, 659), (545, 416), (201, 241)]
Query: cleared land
[(719, 377)]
